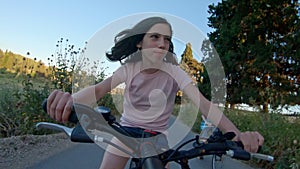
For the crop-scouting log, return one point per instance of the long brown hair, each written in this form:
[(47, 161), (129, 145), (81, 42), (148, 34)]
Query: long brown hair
[(126, 42)]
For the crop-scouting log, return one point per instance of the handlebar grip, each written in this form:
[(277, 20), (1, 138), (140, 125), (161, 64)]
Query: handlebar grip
[(79, 135), (239, 154), (72, 118), (231, 135), (240, 144)]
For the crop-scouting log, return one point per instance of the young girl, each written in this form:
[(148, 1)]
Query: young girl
[(152, 78)]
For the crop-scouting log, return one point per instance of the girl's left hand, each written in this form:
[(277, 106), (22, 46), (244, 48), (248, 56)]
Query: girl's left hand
[(251, 140)]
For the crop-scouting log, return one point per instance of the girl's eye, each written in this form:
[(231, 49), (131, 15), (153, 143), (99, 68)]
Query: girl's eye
[(154, 36), (157, 36), (168, 39)]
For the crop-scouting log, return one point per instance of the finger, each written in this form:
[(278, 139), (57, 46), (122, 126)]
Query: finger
[(247, 147), (246, 139), (67, 110), (257, 140), (53, 107), (60, 107), (261, 139), (253, 148), (50, 99)]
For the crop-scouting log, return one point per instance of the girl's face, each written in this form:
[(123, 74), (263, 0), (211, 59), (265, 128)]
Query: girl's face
[(155, 44)]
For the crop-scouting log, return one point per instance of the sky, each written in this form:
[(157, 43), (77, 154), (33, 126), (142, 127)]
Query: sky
[(35, 26)]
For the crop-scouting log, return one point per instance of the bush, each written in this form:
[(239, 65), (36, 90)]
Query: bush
[(281, 136), (8, 113), (21, 108)]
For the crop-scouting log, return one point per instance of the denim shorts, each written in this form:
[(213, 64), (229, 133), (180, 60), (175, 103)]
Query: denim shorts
[(159, 139)]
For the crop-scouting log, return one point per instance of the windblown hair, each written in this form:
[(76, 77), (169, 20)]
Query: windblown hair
[(126, 42)]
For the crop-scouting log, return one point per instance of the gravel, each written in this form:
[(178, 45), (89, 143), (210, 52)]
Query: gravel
[(19, 152)]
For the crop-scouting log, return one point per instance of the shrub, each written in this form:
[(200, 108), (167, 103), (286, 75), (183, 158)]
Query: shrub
[(21, 108), (8, 125), (280, 133), (29, 107)]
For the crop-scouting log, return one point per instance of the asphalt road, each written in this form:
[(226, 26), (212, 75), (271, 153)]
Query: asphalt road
[(89, 156)]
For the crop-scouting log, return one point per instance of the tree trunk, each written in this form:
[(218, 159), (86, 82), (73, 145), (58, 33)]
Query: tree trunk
[(266, 108)]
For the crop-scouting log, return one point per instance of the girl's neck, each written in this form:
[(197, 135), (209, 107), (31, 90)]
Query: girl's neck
[(149, 71)]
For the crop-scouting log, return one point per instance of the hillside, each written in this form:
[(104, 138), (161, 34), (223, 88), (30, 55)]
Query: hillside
[(16, 63)]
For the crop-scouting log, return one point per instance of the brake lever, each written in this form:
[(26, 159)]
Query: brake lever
[(52, 126)]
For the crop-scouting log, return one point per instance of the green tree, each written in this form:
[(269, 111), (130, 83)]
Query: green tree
[(257, 42), (196, 70), (189, 64)]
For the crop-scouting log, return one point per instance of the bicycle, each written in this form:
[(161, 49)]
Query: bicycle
[(89, 122)]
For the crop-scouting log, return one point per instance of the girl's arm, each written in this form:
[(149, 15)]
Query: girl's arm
[(90, 95), (250, 140), (209, 110), (60, 103)]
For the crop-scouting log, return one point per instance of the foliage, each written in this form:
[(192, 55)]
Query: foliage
[(196, 70), (257, 42), (62, 65), (29, 102), (190, 65), (20, 106), (280, 132), (8, 125)]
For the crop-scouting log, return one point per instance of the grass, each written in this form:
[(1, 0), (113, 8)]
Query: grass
[(281, 136), (12, 80)]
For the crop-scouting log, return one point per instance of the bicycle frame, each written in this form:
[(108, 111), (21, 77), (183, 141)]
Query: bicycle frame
[(145, 155)]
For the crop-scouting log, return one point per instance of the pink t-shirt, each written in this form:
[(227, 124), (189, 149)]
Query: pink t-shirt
[(149, 98)]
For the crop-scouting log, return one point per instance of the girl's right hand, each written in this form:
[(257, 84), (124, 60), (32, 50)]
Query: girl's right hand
[(59, 105)]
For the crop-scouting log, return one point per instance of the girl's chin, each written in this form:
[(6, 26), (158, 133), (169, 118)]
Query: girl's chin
[(157, 60), (153, 63)]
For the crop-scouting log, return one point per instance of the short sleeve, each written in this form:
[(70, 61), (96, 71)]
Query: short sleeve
[(180, 76)]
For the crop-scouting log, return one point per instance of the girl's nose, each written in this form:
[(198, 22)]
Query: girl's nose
[(161, 43)]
